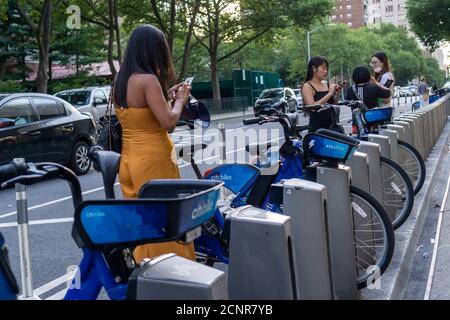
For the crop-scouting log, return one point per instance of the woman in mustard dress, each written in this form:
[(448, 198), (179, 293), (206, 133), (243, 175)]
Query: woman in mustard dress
[(141, 98)]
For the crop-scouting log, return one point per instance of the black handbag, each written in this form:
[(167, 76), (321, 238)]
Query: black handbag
[(110, 137)]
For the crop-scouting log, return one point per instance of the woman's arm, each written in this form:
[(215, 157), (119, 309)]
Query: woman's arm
[(167, 116)]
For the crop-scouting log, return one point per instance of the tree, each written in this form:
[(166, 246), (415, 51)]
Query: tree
[(430, 20), (38, 16), (176, 20), (15, 41), (241, 23), (432, 72), (76, 47), (105, 13)]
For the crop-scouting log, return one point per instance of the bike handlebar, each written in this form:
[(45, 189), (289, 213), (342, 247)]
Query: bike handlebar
[(12, 169), (251, 121)]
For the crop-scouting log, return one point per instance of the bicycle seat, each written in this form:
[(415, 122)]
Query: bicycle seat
[(258, 148), (186, 150), (171, 209)]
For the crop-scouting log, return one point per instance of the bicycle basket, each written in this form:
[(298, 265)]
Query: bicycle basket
[(329, 147), (378, 115)]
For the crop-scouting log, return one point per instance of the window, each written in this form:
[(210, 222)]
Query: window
[(18, 110), (100, 97), (333, 17), (47, 108), (389, 8), (349, 24), (349, 7), (349, 15)]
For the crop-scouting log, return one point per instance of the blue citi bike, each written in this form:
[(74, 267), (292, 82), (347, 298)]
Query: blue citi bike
[(247, 184), (108, 230)]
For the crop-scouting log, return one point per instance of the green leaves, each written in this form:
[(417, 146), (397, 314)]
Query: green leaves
[(430, 20)]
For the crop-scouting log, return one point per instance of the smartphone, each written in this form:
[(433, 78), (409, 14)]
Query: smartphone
[(189, 80), (388, 83)]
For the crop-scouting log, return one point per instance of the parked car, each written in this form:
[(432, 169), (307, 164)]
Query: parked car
[(405, 92), (414, 90), (93, 100), (299, 99), (282, 99), (40, 127)]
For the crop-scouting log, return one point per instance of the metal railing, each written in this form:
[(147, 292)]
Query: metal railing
[(226, 105)]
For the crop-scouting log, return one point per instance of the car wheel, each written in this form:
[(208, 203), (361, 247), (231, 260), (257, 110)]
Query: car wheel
[(79, 161)]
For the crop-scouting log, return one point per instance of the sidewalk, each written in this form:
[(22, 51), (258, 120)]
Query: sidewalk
[(240, 114), (438, 285), (395, 279)]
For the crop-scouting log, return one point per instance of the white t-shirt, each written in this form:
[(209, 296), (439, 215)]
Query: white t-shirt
[(385, 77)]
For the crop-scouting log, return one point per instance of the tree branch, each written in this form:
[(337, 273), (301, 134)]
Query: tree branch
[(27, 19), (242, 45), (98, 13)]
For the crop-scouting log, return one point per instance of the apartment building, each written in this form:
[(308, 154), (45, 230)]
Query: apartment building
[(350, 12), (387, 11)]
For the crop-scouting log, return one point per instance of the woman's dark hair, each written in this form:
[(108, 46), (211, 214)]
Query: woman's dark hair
[(360, 75), (147, 53), (384, 59), (316, 62)]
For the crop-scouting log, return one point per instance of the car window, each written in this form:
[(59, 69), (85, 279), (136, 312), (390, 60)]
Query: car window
[(99, 94), (47, 108), (271, 94), (18, 110), (75, 98)]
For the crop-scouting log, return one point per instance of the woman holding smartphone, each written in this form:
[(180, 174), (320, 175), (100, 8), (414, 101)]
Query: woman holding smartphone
[(314, 91), (141, 99), (383, 75)]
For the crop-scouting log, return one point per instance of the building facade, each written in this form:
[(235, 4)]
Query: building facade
[(350, 12), (387, 11)]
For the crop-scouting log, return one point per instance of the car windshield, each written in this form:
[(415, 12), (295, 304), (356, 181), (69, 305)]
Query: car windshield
[(270, 94), (3, 96), (75, 98), (297, 92)]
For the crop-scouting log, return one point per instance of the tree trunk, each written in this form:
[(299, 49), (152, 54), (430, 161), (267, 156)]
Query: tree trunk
[(187, 42), (43, 38), (215, 76), (117, 30), (111, 40)]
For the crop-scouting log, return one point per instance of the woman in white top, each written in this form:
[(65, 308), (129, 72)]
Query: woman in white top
[(383, 75)]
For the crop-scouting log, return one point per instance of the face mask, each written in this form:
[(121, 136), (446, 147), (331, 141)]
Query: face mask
[(378, 69)]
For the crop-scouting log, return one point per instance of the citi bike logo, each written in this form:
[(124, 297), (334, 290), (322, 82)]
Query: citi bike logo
[(334, 147), (222, 177), (202, 209)]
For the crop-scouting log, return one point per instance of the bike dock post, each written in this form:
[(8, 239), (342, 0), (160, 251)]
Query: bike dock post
[(314, 279), (222, 143), (407, 137), (261, 255), (383, 142), (340, 228), (373, 151), (359, 164), (24, 243), (393, 142)]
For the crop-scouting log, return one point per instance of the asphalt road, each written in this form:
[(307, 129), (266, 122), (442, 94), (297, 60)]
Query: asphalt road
[(51, 209)]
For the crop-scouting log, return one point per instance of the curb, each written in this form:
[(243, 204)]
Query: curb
[(393, 282)]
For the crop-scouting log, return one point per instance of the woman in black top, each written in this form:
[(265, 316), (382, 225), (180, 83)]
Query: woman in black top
[(363, 89), (315, 92)]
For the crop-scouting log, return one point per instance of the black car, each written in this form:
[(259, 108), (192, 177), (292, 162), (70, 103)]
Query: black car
[(40, 127), (281, 99)]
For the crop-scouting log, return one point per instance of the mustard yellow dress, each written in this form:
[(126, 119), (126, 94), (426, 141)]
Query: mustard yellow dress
[(147, 153)]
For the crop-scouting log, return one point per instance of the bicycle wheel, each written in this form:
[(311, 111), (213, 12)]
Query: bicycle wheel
[(412, 162), (398, 193), (373, 237)]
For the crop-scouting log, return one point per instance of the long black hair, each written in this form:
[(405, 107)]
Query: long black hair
[(147, 53), (316, 62)]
